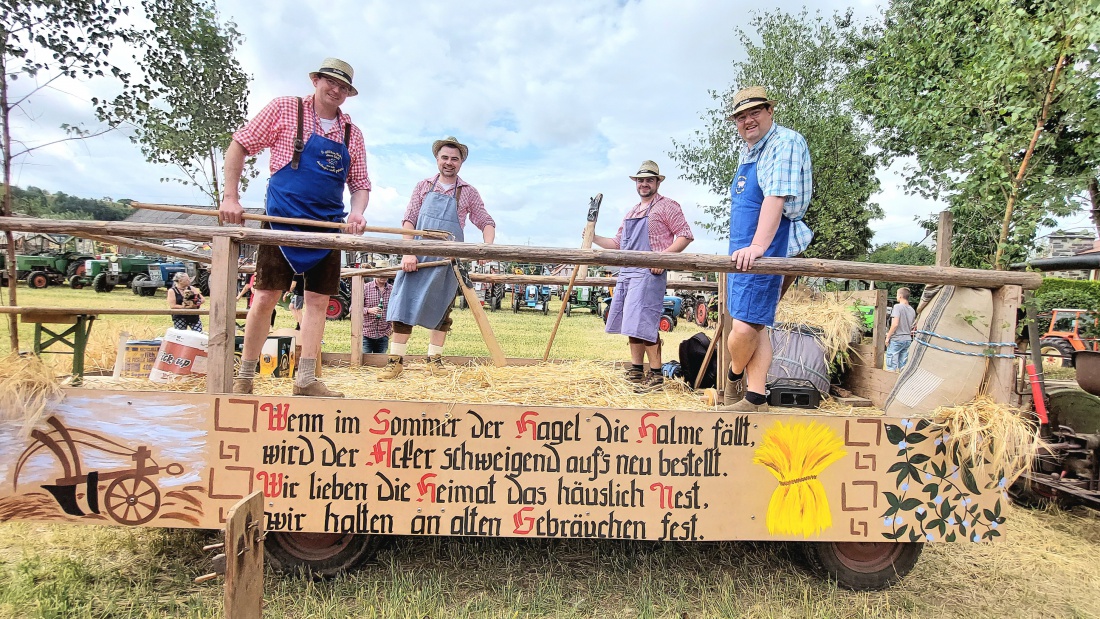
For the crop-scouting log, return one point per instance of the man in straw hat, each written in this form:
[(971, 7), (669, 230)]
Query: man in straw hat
[(768, 198), (424, 296), (315, 152), (657, 224)]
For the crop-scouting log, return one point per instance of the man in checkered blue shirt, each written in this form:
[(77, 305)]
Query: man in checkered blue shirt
[(768, 198)]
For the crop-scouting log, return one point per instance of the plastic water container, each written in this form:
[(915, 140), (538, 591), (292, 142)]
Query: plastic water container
[(181, 354)]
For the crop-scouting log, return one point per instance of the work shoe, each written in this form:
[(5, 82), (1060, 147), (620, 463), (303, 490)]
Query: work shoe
[(635, 375), (317, 389), (744, 406), (735, 390), (393, 368), (653, 381), (242, 386), (435, 365)]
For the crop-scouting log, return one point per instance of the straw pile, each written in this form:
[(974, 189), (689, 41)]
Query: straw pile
[(996, 437), (27, 386), (832, 317)]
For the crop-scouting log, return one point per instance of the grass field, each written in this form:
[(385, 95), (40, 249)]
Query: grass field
[(1046, 566)]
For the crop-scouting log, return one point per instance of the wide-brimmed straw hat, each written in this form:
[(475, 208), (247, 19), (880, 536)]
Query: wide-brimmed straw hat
[(450, 141), (338, 70), (648, 169), (748, 98)]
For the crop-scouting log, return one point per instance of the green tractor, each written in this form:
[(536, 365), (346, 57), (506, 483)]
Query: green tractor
[(44, 269), (104, 275)]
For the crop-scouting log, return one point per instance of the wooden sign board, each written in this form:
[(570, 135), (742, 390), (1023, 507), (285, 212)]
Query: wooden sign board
[(423, 468)]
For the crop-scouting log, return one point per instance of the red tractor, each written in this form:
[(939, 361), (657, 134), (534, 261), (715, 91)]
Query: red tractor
[(1070, 330)]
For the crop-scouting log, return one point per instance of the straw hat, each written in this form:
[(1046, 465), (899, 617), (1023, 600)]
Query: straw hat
[(450, 141), (649, 169), (338, 70), (748, 98)]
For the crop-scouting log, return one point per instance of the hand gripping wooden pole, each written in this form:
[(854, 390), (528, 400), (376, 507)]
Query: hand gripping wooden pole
[(586, 243), (290, 221), (482, 320)]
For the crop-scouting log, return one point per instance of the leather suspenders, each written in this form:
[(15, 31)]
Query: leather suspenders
[(300, 145)]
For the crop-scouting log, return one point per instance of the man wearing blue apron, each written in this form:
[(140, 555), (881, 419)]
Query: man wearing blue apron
[(768, 197), (654, 224), (424, 296), (315, 152)]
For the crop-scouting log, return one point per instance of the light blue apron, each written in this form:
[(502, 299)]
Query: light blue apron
[(422, 297), (310, 188), (750, 297), (639, 298)]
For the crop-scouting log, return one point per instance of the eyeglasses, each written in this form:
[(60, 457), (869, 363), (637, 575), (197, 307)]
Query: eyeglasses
[(741, 118), (344, 88)]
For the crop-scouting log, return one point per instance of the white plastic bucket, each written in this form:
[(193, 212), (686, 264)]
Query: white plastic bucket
[(182, 353)]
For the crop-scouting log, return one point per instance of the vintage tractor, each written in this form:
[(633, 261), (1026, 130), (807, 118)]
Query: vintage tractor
[(104, 275), (532, 296), (1070, 330), (160, 276), (671, 314), (584, 297), (45, 269), (339, 304)]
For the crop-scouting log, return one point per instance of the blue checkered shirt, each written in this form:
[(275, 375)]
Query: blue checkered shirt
[(783, 169)]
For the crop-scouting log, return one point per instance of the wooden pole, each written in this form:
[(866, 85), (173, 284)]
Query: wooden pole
[(482, 321), (815, 267), (725, 323), (357, 311), (152, 248), (586, 243), (943, 239), (223, 315), (392, 270), (878, 336), (706, 357), (497, 278), (291, 221), (1000, 376)]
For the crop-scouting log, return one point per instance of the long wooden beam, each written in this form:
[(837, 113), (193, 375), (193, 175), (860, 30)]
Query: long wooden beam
[(149, 247), (107, 311), (812, 267), (502, 278)]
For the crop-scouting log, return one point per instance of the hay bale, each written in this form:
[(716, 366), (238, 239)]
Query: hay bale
[(996, 437), (27, 386), (831, 318)]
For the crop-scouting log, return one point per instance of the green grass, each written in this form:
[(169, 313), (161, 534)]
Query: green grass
[(1046, 567)]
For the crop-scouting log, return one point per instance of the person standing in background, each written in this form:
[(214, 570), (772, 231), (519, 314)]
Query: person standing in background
[(376, 329), (900, 335)]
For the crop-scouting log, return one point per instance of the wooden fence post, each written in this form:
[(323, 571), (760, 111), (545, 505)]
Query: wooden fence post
[(1000, 375), (879, 334), (943, 240), (356, 317), (223, 314)]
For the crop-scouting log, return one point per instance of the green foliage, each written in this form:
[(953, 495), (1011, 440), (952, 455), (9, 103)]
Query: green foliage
[(902, 253), (1052, 284), (35, 202), (197, 94), (801, 61), (961, 86)]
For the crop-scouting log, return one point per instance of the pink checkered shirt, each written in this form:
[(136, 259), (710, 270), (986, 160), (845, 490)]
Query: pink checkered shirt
[(666, 222), (376, 327), (276, 126), (469, 203)]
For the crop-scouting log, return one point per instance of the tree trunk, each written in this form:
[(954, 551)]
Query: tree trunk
[(5, 210), (1094, 200)]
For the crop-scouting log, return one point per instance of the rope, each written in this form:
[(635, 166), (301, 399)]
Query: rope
[(958, 341), (797, 481), (964, 352)]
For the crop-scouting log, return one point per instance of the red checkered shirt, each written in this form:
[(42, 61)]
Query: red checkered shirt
[(666, 222), (469, 203), (276, 126), (375, 327)]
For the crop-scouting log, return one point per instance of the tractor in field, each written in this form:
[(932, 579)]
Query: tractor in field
[(585, 297), (46, 269), (532, 296), (103, 275), (160, 275), (1071, 330)]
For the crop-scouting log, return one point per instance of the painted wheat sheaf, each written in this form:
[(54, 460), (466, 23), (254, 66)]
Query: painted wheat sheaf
[(796, 453)]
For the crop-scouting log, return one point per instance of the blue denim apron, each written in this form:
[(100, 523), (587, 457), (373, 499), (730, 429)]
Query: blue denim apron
[(422, 297), (315, 190), (639, 297), (750, 297)]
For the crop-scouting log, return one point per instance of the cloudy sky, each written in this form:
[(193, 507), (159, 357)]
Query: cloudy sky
[(557, 100)]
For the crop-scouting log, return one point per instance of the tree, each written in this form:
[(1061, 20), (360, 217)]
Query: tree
[(902, 253), (801, 61), (200, 97), (998, 101), (43, 41)]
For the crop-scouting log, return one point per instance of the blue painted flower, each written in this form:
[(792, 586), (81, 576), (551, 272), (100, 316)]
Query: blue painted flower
[(905, 486), (908, 424), (993, 525), (937, 441), (976, 538), (951, 521), (899, 520), (967, 501), (903, 445), (927, 476), (921, 510), (1001, 484), (929, 537), (938, 499), (946, 437), (966, 523), (888, 522)]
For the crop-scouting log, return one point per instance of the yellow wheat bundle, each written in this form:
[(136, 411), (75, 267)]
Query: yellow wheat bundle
[(796, 453), (27, 386), (996, 437)]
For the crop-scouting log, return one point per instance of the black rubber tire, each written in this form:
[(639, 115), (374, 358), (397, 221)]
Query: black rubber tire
[(135, 284), (1048, 345), (665, 324), (308, 552), (515, 303), (75, 269), (545, 306), (202, 282), (336, 309), (99, 283), (862, 566), (568, 309), (37, 279), (76, 283)]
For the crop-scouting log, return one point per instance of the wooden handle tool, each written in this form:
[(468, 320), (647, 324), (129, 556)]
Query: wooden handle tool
[(586, 243)]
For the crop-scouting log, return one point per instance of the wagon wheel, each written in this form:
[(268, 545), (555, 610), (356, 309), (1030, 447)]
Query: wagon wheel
[(701, 314), (320, 554), (862, 566), (132, 500)]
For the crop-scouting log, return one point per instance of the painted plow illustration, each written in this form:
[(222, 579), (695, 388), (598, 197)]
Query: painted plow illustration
[(132, 496)]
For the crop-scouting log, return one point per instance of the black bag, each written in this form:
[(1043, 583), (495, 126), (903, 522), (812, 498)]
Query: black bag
[(692, 351)]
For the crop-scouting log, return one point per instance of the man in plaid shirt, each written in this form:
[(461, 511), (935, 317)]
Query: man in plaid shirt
[(315, 152), (768, 199), (376, 329)]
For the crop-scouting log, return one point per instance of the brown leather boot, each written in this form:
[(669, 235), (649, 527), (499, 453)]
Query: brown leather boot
[(242, 386), (317, 389), (393, 368), (435, 366), (653, 381)]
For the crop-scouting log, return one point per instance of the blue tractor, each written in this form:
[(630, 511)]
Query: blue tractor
[(669, 315), (533, 297)]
